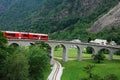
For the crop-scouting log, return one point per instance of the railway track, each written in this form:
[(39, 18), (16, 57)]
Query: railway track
[(56, 72)]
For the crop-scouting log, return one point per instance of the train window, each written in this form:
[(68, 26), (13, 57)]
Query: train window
[(35, 36), (43, 36), (25, 35), (11, 34)]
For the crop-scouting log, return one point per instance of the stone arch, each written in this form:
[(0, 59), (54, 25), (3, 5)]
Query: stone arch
[(105, 51), (78, 51), (63, 54), (90, 49), (32, 43), (74, 51), (115, 54), (93, 48), (58, 50), (64, 48), (14, 44), (87, 52)]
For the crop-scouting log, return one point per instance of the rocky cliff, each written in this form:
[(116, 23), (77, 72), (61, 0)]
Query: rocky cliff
[(109, 20)]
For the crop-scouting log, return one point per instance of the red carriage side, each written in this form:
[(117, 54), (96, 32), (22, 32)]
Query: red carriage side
[(25, 35), (11, 34), (44, 37)]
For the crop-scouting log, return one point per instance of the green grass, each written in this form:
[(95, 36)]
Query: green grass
[(72, 53), (73, 70), (47, 72)]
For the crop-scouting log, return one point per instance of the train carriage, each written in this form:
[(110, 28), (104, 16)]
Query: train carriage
[(11, 35), (34, 36), (44, 37), (25, 35)]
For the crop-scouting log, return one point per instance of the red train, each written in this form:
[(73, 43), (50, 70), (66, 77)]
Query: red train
[(25, 35)]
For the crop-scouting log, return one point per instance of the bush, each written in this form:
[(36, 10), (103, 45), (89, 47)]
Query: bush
[(110, 77), (104, 51), (98, 57), (89, 50)]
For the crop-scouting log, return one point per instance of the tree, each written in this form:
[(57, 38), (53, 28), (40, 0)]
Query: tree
[(89, 39), (38, 61), (16, 67), (98, 57), (3, 53), (42, 45), (3, 40), (88, 69)]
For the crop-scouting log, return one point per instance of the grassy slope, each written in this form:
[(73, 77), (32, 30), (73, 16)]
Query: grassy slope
[(74, 69), (46, 73)]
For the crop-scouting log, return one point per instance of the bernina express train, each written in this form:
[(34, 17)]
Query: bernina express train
[(25, 35)]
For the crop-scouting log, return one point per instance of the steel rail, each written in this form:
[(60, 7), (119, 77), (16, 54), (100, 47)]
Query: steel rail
[(56, 71)]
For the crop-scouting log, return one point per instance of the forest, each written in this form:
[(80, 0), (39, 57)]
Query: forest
[(62, 20)]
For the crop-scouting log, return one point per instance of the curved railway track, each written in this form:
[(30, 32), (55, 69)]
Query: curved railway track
[(56, 71), (55, 74)]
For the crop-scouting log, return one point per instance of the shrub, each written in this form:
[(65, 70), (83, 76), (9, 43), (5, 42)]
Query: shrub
[(110, 77), (98, 57)]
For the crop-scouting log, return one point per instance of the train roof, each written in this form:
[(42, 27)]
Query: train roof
[(39, 34), (11, 32), (25, 33)]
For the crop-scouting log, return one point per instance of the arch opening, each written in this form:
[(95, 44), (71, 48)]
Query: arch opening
[(32, 44), (87, 52), (116, 55), (14, 45), (59, 50), (105, 52), (73, 52)]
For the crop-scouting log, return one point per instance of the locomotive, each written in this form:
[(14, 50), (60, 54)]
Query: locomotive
[(25, 35)]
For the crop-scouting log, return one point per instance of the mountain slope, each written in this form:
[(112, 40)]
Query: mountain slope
[(80, 29), (62, 19), (4, 5), (109, 20), (41, 15), (16, 12), (63, 15)]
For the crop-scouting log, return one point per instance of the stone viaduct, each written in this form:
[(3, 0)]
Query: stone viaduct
[(66, 45)]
